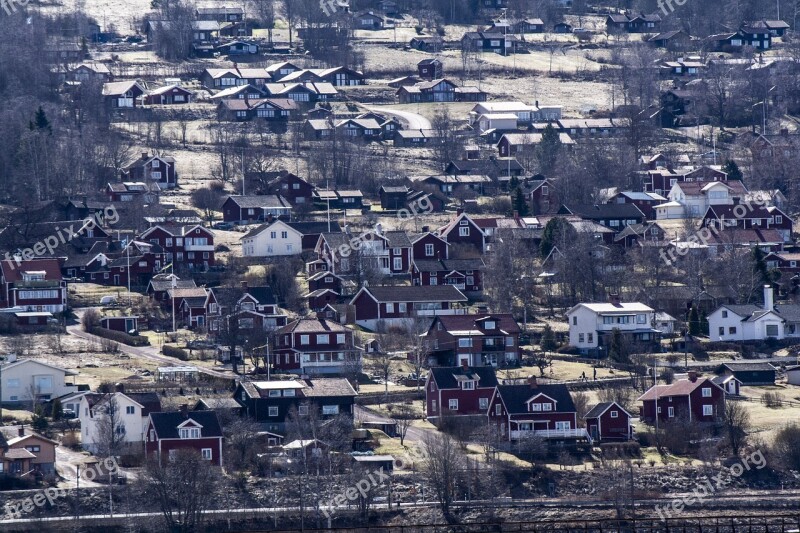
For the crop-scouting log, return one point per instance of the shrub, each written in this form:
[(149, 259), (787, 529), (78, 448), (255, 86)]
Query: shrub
[(772, 399), (90, 320), (569, 350), (121, 336), (177, 353)]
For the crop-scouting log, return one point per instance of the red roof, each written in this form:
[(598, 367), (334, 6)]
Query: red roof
[(682, 387), (505, 322), (12, 271)]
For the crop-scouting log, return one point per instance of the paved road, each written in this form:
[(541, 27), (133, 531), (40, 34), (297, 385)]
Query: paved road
[(413, 121), (145, 352), (366, 414)]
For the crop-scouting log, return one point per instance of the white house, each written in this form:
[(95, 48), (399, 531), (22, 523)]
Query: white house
[(132, 412), (665, 323), (27, 380), (793, 375), (591, 324), (497, 121), (271, 240), (670, 210), (751, 322), (697, 196)]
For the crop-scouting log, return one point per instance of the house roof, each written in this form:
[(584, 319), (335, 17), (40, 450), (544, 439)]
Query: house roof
[(449, 377), (166, 424), (327, 387), (604, 211), (601, 408), (748, 367), (270, 201), (166, 284), (312, 325), (681, 387), (18, 362), (515, 397), (436, 293), (448, 265), (454, 323), (623, 307), (120, 87), (13, 271)]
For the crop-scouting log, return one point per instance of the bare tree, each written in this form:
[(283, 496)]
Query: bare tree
[(442, 467), (736, 421), (184, 486), (110, 428), (403, 416)]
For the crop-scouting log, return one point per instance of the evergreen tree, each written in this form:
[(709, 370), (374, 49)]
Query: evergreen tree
[(555, 232), (548, 150), (57, 411), (703, 322), (617, 348), (694, 321), (39, 421), (519, 202), (549, 343), (40, 121), (732, 169)]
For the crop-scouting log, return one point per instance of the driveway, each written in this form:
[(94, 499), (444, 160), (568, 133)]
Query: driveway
[(412, 121)]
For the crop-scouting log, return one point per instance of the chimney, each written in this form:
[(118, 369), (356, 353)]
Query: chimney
[(426, 229), (692, 376), (516, 215), (532, 382), (119, 387), (144, 155), (244, 284), (614, 299), (769, 301), (185, 410), (379, 228), (459, 211), (22, 430)]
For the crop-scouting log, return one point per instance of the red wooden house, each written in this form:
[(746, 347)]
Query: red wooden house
[(160, 284), (749, 217), (34, 285), (255, 308), (314, 346), (319, 299), (378, 307), (189, 246), (608, 421), (459, 391), (696, 399), (474, 340), (429, 246), (324, 280), (464, 274), (152, 169), (167, 433), (532, 409), (195, 306), (463, 230), (292, 187)]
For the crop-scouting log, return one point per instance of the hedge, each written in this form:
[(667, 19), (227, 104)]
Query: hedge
[(121, 336), (177, 353)]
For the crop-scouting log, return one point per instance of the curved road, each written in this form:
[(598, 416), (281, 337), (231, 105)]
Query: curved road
[(413, 121)]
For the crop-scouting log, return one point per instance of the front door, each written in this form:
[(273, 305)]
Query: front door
[(593, 431), (116, 279)]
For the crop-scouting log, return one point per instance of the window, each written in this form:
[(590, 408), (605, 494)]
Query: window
[(574, 321), (401, 307), (12, 383), (429, 250), (330, 409), (590, 337), (390, 308), (778, 219), (463, 231), (274, 394), (323, 339), (772, 330), (563, 426), (724, 314), (465, 343), (206, 453), (302, 410), (483, 403), (580, 337), (547, 407), (452, 404), (721, 331), (273, 410), (284, 235), (190, 433), (498, 409), (397, 263), (288, 393), (509, 341), (491, 324), (708, 410), (340, 338), (130, 410), (614, 414), (173, 454), (731, 331), (467, 385), (433, 406), (671, 412), (536, 407), (706, 392), (304, 339)]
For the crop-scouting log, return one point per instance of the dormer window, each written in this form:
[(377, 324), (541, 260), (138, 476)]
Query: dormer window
[(33, 276), (468, 385), (190, 433), (288, 392), (491, 324)]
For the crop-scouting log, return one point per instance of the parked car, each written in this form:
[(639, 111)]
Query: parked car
[(223, 225)]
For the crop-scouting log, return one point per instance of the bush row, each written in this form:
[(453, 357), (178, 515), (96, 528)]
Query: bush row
[(121, 336), (177, 353)]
